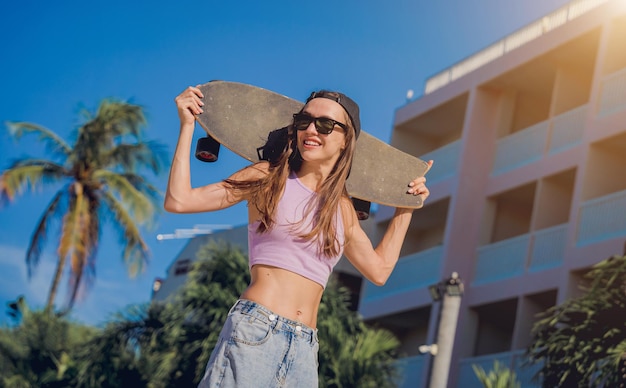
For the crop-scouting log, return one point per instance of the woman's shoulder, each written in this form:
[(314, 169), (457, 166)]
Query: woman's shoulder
[(347, 210), (252, 172)]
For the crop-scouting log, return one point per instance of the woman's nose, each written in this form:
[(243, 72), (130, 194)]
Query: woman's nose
[(311, 128)]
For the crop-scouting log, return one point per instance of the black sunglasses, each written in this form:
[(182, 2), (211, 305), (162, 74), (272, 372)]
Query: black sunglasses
[(324, 125)]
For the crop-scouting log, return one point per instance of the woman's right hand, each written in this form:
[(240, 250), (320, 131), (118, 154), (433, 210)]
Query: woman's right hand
[(189, 104)]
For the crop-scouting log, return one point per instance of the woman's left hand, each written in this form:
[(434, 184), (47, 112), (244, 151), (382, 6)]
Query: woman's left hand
[(418, 186)]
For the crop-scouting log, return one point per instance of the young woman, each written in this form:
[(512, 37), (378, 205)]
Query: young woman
[(301, 221)]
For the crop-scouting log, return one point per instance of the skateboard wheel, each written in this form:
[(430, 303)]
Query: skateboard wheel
[(207, 149), (362, 208)]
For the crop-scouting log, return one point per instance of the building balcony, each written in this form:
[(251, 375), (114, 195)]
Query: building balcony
[(537, 141), (602, 218), (515, 256), (548, 248), (412, 272), (447, 162), (612, 94)]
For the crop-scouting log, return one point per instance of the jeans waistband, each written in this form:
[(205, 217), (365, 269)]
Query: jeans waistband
[(249, 307)]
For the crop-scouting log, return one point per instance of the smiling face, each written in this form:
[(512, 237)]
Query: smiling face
[(319, 148)]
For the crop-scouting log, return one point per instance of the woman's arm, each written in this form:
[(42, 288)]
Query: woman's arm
[(376, 264), (180, 197)]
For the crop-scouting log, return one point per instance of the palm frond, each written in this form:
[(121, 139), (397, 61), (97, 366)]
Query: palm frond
[(150, 191), (136, 251), (75, 243), (148, 154), (500, 376), (618, 354), (93, 234), (70, 229), (117, 118), (113, 122), (82, 259), (38, 239), (53, 142), (28, 174), (125, 186)]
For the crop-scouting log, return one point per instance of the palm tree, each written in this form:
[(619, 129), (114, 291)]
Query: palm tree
[(40, 350), (98, 181), (499, 377), (168, 344), (125, 352)]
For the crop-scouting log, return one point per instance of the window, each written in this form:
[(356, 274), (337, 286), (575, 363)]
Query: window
[(182, 267)]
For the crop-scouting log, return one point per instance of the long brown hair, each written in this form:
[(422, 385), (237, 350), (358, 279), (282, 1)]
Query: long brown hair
[(265, 193)]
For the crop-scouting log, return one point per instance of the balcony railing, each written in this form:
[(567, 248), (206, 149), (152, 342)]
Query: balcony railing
[(548, 248), (521, 148), (613, 94), (513, 360), (410, 371), (602, 218), (519, 38), (533, 252), (567, 129), (501, 260), (533, 143), (446, 161), (412, 272)]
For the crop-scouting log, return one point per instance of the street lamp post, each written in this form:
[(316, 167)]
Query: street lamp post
[(449, 292)]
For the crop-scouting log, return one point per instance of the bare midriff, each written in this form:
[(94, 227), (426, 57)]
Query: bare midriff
[(285, 293)]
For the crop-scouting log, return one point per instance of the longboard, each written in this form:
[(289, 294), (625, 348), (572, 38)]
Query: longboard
[(241, 117)]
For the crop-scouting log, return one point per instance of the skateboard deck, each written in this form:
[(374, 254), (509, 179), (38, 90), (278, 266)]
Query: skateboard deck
[(241, 118)]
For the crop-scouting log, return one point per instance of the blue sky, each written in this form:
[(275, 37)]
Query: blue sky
[(60, 57)]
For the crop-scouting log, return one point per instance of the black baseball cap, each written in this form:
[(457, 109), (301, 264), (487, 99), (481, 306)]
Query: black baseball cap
[(346, 102)]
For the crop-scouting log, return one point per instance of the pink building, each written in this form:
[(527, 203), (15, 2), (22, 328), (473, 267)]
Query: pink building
[(528, 189)]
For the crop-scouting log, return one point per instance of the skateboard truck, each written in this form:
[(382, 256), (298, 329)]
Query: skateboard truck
[(207, 149), (362, 208)]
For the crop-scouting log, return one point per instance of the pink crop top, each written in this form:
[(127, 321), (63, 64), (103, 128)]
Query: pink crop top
[(281, 247)]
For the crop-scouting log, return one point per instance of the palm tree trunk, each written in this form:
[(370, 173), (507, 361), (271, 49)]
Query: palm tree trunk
[(55, 283)]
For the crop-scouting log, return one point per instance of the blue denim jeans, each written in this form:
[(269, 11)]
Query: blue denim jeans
[(257, 348)]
